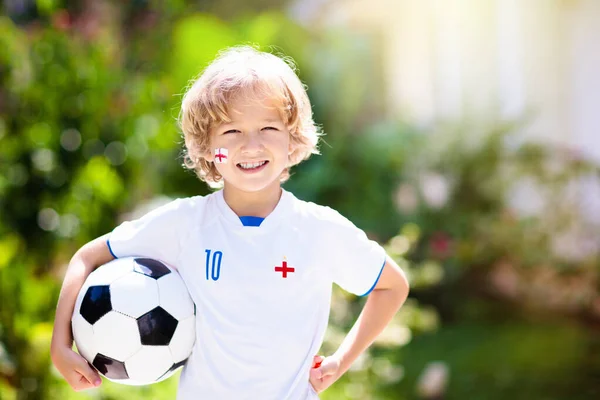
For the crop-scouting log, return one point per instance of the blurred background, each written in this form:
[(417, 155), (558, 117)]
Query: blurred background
[(464, 135)]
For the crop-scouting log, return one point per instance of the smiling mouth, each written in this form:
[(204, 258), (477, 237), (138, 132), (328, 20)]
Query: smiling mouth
[(251, 166)]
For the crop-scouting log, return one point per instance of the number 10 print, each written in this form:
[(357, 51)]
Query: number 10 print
[(213, 269)]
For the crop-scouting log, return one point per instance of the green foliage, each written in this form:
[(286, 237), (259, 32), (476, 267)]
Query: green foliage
[(479, 220), (494, 361), (88, 130), (76, 111)]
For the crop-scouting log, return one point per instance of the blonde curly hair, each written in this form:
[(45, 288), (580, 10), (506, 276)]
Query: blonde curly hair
[(244, 70)]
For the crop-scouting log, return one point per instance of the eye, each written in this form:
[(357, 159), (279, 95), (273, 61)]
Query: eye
[(270, 128), (231, 131)]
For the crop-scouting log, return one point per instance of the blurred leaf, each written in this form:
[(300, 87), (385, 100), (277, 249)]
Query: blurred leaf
[(102, 179), (46, 7), (9, 246), (264, 28), (196, 41)]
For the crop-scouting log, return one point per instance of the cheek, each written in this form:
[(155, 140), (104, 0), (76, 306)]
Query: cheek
[(220, 155), (222, 145), (282, 142), (224, 168), (216, 142), (230, 142), (220, 169)]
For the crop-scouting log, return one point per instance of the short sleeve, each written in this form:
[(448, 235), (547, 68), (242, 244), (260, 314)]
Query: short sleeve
[(355, 261), (157, 234)]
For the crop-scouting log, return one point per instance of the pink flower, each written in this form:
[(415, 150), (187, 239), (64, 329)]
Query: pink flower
[(440, 244), (61, 20)]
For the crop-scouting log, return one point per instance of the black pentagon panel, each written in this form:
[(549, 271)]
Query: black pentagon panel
[(96, 303), (156, 327), (173, 368), (177, 365), (109, 367), (150, 267)]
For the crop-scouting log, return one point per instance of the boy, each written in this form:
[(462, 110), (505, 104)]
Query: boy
[(258, 263)]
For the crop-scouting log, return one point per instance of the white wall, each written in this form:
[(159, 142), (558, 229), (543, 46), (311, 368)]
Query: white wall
[(584, 69), (450, 59)]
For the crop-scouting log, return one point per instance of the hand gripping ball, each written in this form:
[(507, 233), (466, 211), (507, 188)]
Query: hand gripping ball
[(134, 321)]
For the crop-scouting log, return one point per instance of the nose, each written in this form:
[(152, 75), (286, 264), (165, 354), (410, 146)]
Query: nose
[(253, 143)]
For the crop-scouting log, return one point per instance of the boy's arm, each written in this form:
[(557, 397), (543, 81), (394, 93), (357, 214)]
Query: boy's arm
[(85, 260), (383, 302)]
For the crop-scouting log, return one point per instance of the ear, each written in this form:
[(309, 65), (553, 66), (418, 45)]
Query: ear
[(208, 155), (291, 148)]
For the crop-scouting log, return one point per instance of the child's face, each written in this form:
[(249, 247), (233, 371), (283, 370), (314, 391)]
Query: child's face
[(257, 144)]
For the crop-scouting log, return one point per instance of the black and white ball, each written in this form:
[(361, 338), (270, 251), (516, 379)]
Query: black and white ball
[(134, 321)]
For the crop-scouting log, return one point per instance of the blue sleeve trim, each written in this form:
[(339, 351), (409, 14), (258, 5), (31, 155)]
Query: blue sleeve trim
[(376, 280), (110, 248)]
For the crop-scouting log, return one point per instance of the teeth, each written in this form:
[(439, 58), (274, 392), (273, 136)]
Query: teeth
[(252, 165)]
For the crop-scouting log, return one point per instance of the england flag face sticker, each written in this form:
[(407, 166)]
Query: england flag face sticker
[(221, 156)]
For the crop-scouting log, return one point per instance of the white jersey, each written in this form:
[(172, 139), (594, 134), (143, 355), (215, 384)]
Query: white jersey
[(262, 293)]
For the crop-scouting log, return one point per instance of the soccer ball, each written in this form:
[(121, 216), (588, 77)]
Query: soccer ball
[(134, 321)]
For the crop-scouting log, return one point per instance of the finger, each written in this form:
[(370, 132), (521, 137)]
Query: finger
[(317, 386), (316, 374), (79, 383), (89, 373), (328, 368)]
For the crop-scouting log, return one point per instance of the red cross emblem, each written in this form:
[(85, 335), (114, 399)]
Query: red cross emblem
[(220, 155), (284, 269)]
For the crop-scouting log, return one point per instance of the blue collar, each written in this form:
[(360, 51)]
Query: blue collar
[(251, 221)]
